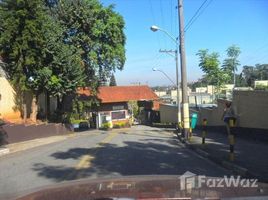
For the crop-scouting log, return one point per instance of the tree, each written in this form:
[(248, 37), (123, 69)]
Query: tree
[(37, 56), (252, 73), (231, 62), (133, 106), (202, 82), (262, 71), (97, 32), (22, 44), (113, 81), (209, 63)]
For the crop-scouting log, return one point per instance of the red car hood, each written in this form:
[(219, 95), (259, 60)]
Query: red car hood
[(143, 187)]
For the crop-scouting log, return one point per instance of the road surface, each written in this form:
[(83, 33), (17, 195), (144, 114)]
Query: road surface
[(140, 150)]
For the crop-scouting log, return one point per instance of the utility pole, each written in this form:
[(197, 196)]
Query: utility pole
[(177, 81), (185, 102)]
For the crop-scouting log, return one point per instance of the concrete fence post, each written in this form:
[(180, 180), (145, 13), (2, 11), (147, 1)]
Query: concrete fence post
[(231, 138), (204, 131)]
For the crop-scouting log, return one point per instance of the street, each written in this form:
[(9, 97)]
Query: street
[(140, 150)]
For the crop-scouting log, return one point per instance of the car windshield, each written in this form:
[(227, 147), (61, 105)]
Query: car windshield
[(127, 95)]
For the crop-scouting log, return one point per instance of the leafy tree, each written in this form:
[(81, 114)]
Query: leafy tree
[(240, 81), (202, 82), (252, 73), (113, 81), (37, 56), (23, 44), (209, 63), (231, 62), (133, 105), (97, 32), (262, 71)]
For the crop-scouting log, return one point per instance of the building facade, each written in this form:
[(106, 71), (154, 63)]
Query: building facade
[(114, 105)]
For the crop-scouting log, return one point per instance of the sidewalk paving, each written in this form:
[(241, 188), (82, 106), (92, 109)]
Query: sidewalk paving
[(251, 158), (21, 146)]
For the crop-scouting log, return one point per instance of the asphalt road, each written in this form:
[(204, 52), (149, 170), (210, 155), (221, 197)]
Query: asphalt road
[(140, 150)]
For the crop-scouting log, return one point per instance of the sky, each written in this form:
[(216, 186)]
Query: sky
[(221, 24)]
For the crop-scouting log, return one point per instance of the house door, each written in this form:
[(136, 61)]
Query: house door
[(104, 117)]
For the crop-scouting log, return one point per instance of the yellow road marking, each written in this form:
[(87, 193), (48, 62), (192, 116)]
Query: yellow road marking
[(85, 161)]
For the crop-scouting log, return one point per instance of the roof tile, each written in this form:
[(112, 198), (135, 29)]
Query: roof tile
[(110, 94)]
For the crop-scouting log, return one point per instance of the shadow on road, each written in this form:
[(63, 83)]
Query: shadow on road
[(148, 157)]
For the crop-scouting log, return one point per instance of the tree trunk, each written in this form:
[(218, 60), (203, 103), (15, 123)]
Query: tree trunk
[(33, 115), (24, 108), (59, 104), (48, 105)]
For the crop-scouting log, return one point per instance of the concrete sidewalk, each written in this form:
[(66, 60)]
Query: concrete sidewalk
[(250, 155), (21, 146)]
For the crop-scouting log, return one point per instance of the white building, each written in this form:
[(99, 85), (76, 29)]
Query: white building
[(261, 83)]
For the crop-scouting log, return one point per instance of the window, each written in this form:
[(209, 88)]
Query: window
[(118, 115)]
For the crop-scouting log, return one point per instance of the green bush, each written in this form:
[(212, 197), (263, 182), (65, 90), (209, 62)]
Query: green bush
[(116, 126), (121, 124), (106, 125), (77, 121), (261, 87)]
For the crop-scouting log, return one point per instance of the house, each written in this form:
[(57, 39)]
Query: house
[(114, 105), (8, 105)]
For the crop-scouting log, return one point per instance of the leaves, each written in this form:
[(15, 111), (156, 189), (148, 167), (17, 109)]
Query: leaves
[(231, 62), (56, 46), (98, 34), (112, 81), (209, 63)]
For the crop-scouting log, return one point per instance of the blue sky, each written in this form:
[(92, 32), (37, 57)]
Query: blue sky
[(221, 24)]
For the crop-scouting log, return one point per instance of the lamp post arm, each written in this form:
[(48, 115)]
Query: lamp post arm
[(170, 36), (167, 76)]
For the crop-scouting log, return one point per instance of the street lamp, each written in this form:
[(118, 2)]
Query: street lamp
[(185, 104), (154, 29)]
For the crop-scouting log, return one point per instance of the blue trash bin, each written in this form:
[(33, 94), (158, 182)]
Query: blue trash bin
[(193, 120)]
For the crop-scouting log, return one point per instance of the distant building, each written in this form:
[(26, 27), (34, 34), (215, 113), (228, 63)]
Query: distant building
[(260, 83), (201, 89), (160, 93)]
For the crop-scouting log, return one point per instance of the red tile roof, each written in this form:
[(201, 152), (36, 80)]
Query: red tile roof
[(111, 94)]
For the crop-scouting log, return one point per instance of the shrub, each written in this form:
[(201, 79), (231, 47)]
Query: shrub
[(77, 121), (261, 87), (116, 125), (106, 125), (121, 124)]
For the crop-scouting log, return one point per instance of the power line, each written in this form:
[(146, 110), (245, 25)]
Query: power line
[(197, 14)]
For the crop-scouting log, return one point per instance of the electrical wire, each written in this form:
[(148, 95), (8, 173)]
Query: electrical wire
[(197, 14)]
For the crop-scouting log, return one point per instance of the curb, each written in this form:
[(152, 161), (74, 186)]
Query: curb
[(228, 165), (4, 151), (29, 144), (236, 169)]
